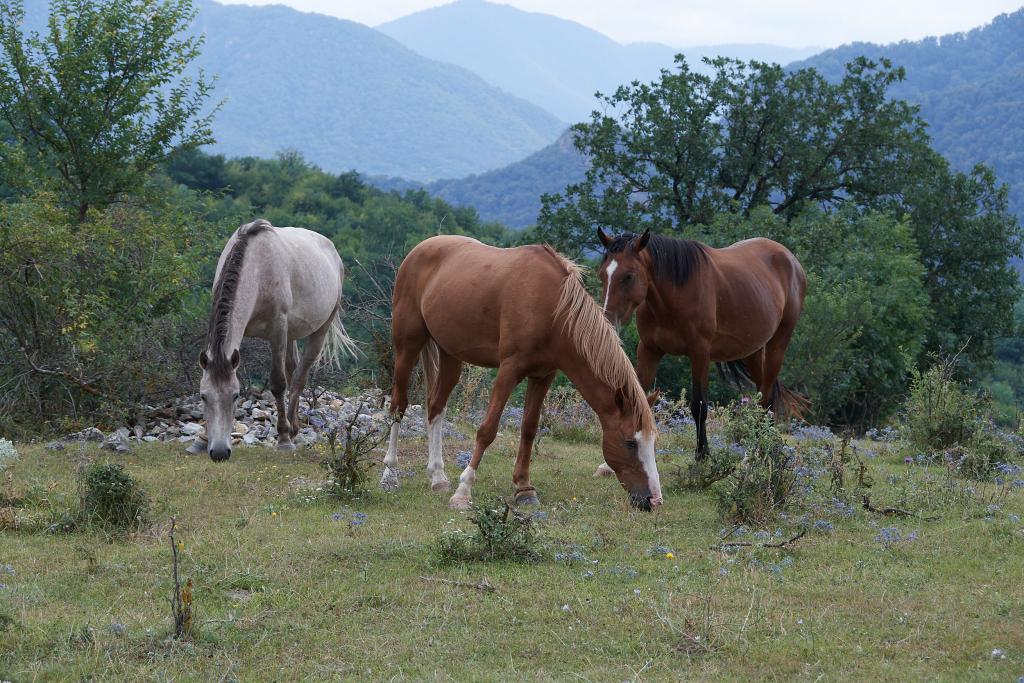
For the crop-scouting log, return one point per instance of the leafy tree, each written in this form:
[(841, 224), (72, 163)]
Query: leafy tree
[(99, 100), (967, 237), (675, 152)]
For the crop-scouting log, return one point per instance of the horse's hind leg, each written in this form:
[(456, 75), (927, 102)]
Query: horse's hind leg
[(509, 375), (409, 335), (300, 371), (700, 365), (774, 354), (536, 390), (279, 350), (448, 372)]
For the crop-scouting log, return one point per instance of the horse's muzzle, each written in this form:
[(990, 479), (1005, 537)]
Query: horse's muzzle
[(220, 454), (641, 500)]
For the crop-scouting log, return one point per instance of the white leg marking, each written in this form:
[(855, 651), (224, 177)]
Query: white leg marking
[(612, 266), (463, 495), (435, 462), (389, 479), (603, 470), (646, 453)]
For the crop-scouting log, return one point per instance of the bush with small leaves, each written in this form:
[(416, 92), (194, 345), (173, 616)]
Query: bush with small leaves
[(764, 478), (112, 499), (502, 533), (940, 411)]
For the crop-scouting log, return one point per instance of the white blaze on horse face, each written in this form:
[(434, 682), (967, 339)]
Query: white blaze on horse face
[(610, 270), (646, 454), (435, 462)]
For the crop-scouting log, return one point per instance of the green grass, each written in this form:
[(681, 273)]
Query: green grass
[(284, 592)]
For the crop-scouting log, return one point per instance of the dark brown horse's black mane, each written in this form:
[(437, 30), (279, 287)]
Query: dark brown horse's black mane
[(672, 259), (224, 290)]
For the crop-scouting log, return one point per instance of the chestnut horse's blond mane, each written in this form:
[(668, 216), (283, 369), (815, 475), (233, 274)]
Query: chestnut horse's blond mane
[(597, 342)]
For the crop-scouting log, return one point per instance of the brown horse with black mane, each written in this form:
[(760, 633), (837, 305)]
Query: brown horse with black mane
[(737, 305), (525, 312)]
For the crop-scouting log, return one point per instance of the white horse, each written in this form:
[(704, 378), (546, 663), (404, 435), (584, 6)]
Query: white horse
[(278, 284)]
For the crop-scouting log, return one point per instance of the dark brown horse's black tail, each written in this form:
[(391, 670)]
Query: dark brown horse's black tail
[(783, 401), (789, 403)]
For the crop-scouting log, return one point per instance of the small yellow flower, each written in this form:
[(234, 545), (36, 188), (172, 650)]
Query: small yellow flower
[(274, 513), (669, 556), (181, 546)]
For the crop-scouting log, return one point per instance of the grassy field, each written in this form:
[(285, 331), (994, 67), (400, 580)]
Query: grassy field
[(287, 587)]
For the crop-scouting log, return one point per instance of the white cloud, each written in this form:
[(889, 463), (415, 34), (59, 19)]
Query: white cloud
[(795, 23)]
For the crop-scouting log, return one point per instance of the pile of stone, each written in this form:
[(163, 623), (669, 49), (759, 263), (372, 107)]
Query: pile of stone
[(256, 421)]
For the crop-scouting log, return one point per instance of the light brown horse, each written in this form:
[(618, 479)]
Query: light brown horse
[(737, 305), (525, 312)]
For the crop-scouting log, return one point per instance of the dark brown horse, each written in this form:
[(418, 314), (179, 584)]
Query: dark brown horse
[(737, 305), (525, 312)]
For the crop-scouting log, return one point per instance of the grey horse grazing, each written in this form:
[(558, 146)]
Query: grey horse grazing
[(278, 284)]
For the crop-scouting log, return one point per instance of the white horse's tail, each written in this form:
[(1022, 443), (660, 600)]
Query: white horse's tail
[(337, 344)]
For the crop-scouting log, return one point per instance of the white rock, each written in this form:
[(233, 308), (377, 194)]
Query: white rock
[(191, 428)]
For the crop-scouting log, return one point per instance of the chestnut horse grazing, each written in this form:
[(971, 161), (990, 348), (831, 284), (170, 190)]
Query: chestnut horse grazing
[(282, 285), (737, 305), (525, 312)]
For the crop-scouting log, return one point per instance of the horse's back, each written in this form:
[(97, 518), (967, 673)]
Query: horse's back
[(474, 298), (767, 262)]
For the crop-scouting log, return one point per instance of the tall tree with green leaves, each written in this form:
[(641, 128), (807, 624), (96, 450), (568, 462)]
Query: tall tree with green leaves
[(673, 153), (94, 103)]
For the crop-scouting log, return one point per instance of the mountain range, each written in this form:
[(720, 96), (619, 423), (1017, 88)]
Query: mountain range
[(969, 86), (552, 62)]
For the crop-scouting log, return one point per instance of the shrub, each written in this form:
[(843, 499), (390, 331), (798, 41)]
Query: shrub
[(502, 533), (95, 312), (348, 453), (764, 478), (112, 499), (940, 411)]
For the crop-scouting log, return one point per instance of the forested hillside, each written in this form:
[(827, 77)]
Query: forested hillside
[(348, 97), (552, 62), (970, 87), (510, 195)]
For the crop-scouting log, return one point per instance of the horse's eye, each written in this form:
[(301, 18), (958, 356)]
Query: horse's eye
[(235, 397), (627, 279), (202, 397), (631, 444)]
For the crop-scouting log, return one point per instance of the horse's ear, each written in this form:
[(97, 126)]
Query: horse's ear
[(603, 236), (204, 360), (653, 397), (640, 242), (234, 359)]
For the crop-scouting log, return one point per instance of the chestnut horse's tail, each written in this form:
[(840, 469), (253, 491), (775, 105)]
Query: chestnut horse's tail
[(430, 361), (782, 401)]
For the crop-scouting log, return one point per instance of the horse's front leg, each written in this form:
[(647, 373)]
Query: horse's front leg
[(508, 377), (279, 349), (536, 390), (700, 365)]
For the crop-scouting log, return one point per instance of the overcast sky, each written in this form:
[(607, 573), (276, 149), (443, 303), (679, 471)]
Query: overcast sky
[(793, 23)]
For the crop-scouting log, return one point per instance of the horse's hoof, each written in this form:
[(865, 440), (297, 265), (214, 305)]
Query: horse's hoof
[(440, 486), (389, 481), (459, 503), (603, 470), (528, 499), (286, 447)]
